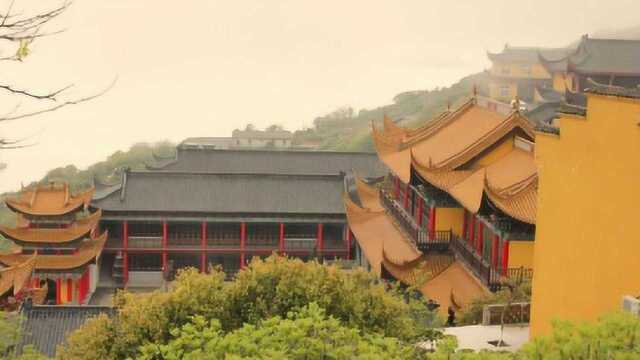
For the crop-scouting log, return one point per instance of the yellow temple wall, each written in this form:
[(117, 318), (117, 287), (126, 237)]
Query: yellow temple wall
[(520, 70), (494, 90), (560, 82), (586, 247), (521, 254), (450, 219)]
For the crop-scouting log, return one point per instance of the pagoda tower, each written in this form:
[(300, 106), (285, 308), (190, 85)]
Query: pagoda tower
[(55, 231)]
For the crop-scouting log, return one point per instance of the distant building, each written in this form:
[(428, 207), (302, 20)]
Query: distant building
[(606, 61), (262, 138), (243, 139), (586, 246), (517, 71)]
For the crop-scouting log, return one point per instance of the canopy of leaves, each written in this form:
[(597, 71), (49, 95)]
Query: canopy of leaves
[(307, 334), (265, 289)]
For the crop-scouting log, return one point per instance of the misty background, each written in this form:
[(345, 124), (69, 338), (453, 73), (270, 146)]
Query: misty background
[(204, 68)]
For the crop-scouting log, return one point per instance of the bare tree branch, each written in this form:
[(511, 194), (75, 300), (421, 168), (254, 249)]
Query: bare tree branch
[(50, 96), (59, 106)]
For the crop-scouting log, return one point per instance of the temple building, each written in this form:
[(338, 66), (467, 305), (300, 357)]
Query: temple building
[(212, 207), (586, 247), (606, 61), (456, 214), (517, 71), (57, 240)]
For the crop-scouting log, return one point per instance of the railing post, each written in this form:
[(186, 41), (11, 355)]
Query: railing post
[(348, 242), (165, 240), (125, 252), (243, 236), (494, 250), (203, 246)]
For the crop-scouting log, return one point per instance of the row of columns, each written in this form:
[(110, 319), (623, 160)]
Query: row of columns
[(203, 244), (470, 232), (417, 207)]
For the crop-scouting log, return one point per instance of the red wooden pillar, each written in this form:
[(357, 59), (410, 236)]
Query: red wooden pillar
[(505, 257), (348, 241), (320, 239), (165, 240), (69, 290), (432, 222), (494, 251), (125, 252), (281, 240), (479, 242), (420, 210), (203, 247), (243, 238), (472, 228), (58, 291), (405, 201)]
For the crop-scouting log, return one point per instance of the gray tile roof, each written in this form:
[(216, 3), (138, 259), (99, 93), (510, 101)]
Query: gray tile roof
[(544, 113), (215, 193), (607, 56), (274, 162), (46, 327), (529, 55)]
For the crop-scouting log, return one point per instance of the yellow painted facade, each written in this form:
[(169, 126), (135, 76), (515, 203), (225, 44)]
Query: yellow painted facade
[(560, 82), (587, 248), (519, 70), (450, 219), (503, 90), (521, 254)]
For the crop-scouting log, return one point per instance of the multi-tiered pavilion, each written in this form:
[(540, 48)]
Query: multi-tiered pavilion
[(56, 239)]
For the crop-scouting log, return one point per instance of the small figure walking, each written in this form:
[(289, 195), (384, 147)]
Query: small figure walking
[(451, 319)]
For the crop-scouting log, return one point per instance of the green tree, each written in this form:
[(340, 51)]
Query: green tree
[(265, 289), (307, 334)]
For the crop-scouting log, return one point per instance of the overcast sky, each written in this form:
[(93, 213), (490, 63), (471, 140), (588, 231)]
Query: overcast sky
[(205, 67)]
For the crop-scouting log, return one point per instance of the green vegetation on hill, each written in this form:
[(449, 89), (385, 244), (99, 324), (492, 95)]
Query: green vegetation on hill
[(344, 130)]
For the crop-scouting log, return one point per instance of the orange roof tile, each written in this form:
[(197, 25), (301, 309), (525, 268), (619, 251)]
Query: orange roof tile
[(379, 237), (369, 195), (17, 276), (398, 161), (88, 251), (50, 199), (454, 287), (76, 231)]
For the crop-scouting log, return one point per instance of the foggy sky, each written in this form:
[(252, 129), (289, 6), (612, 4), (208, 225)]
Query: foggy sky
[(203, 68)]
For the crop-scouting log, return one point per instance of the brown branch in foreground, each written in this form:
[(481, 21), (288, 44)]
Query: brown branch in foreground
[(60, 105), (50, 96)]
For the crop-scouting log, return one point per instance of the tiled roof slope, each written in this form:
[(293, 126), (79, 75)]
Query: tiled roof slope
[(274, 162), (46, 327), (220, 193)]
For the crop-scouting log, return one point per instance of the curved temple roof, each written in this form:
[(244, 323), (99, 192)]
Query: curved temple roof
[(439, 277), (17, 276), (76, 231), (88, 251), (441, 154), (49, 200)]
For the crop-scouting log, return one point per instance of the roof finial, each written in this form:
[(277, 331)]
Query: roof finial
[(515, 104), (448, 105)]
